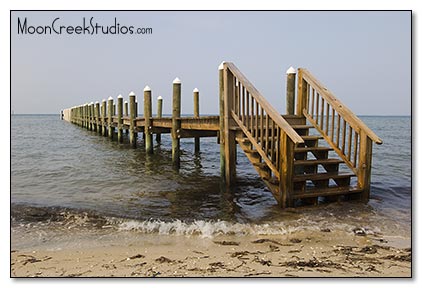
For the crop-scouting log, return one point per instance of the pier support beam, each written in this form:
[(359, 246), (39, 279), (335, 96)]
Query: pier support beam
[(290, 91), (159, 115), (110, 117), (175, 130), (196, 114), (132, 106), (120, 119), (148, 124)]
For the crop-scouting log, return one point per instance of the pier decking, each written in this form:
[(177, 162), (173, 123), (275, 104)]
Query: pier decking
[(287, 156)]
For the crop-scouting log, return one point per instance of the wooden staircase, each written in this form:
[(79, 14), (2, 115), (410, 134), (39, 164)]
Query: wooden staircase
[(323, 153), (317, 175)]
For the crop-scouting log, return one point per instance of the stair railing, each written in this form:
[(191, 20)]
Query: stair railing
[(269, 133), (340, 127)]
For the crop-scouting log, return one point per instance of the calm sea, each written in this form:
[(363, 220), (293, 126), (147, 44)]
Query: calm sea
[(61, 173)]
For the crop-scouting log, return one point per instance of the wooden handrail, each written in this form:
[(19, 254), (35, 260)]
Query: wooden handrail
[(341, 109), (275, 116)]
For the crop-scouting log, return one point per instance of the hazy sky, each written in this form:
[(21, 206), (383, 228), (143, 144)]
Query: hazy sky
[(363, 57)]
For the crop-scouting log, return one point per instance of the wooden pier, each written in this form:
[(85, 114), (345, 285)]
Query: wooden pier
[(290, 159)]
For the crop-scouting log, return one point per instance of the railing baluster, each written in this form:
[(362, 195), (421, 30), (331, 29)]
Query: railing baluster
[(247, 110), (272, 140), (267, 123), (277, 148), (332, 123), (317, 109), (243, 105), (328, 119), (313, 103), (252, 116), (261, 129), (355, 154), (350, 143), (338, 130), (343, 144), (322, 113), (257, 122)]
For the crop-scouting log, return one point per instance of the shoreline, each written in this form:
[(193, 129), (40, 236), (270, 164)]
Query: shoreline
[(306, 253)]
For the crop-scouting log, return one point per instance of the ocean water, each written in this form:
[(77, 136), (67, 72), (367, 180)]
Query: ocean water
[(63, 176)]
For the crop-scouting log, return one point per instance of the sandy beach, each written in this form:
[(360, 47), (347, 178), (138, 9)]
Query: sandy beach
[(302, 254)]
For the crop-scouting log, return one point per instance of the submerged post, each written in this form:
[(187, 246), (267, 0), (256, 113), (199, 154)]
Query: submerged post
[(148, 123), (221, 132), (196, 114), (290, 91), (159, 115), (175, 130), (120, 119), (110, 117), (132, 134)]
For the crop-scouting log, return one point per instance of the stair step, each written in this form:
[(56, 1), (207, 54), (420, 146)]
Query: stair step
[(312, 149), (301, 126), (317, 161), (261, 165), (242, 140), (322, 176), (311, 137), (330, 191)]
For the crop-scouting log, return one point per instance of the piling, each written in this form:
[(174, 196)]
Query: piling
[(148, 123), (175, 130), (290, 91), (103, 116), (120, 119), (221, 131), (91, 114), (159, 115), (196, 115), (132, 137), (110, 117), (97, 117), (126, 114)]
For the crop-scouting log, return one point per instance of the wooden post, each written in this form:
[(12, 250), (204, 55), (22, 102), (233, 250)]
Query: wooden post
[(286, 151), (86, 116), (302, 94), (132, 133), (126, 109), (120, 119), (159, 115), (229, 135), (365, 163), (196, 115), (290, 91), (148, 124), (91, 116), (110, 117), (103, 115), (221, 132), (97, 117), (175, 130)]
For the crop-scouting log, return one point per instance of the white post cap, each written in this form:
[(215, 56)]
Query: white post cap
[(147, 88), (132, 93), (159, 98), (110, 98), (176, 81), (96, 102), (104, 100), (221, 67), (195, 90), (120, 96), (125, 102), (291, 70), (92, 103)]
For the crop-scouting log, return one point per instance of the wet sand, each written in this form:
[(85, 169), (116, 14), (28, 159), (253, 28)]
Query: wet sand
[(302, 254)]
